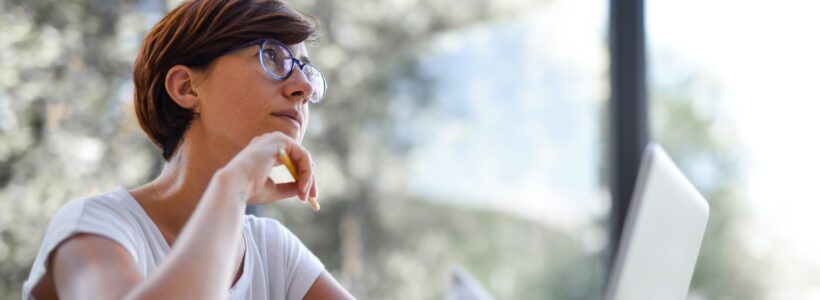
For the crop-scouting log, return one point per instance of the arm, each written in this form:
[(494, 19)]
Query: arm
[(326, 287), (198, 266)]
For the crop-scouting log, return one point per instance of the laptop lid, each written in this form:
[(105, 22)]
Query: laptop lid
[(662, 233)]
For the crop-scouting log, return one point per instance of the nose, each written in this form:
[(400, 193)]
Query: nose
[(297, 86)]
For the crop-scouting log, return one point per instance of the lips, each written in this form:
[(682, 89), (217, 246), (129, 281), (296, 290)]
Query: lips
[(291, 114)]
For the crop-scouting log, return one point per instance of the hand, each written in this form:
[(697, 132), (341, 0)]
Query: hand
[(252, 165)]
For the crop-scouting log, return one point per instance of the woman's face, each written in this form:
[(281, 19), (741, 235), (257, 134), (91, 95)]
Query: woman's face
[(238, 101)]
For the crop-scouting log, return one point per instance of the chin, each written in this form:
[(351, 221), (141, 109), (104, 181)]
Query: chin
[(291, 132)]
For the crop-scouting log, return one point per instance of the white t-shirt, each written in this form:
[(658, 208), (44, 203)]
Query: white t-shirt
[(277, 265)]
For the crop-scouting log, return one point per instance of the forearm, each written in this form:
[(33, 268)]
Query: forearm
[(200, 264)]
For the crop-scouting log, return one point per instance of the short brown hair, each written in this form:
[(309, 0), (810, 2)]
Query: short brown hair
[(195, 34)]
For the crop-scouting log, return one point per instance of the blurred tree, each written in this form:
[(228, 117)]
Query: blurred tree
[(64, 78), (68, 130)]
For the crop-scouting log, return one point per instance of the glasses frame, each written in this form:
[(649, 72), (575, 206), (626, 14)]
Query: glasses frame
[(294, 61)]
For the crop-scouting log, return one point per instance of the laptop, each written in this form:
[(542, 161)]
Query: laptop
[(662, 234)]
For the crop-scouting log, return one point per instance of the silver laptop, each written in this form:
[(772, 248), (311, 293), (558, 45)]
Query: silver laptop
[(662, 234)]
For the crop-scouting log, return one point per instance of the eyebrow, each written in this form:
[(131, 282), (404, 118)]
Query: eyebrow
[(305, 59)]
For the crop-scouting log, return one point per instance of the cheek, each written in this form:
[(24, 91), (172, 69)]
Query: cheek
[(236, 104), (248, 87), (306, 117), (233, 100), (306, 113)]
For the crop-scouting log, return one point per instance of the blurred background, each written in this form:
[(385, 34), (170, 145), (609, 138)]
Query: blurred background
[(463, 142)]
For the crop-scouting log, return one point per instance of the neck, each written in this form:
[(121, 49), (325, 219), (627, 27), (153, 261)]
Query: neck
[(184, 178)]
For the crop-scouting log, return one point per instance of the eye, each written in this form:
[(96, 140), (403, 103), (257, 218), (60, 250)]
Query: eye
[(269, 54)]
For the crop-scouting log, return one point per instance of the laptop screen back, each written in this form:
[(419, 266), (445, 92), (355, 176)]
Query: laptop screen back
[(662, 234)]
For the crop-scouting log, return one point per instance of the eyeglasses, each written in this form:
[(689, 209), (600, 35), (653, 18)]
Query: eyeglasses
[(277, 61)]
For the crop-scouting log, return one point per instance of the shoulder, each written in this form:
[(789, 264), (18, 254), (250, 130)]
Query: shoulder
[(95, 220), (109, 210), (110, 214), (100, 205)]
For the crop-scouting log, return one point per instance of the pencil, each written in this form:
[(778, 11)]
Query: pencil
[(283, 157)]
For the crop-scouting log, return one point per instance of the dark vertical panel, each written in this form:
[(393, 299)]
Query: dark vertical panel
[(628, 109)]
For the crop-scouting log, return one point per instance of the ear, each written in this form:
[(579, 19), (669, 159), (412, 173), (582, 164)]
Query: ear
[(179, 82)]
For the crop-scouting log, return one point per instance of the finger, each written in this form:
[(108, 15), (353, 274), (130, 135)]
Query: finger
[(302, 193), (283, 156), (314, 194), (273, 192), (303, 164), (310, 187), (286, 190), (314, 189)]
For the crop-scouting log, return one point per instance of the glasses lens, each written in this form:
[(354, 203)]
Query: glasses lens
[(278, 62), (277, 59), (317, 81)]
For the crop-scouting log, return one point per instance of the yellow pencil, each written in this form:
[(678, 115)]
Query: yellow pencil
[(283, 157)]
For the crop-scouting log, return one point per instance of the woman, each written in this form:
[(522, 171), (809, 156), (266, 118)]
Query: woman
[(221, 86)]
